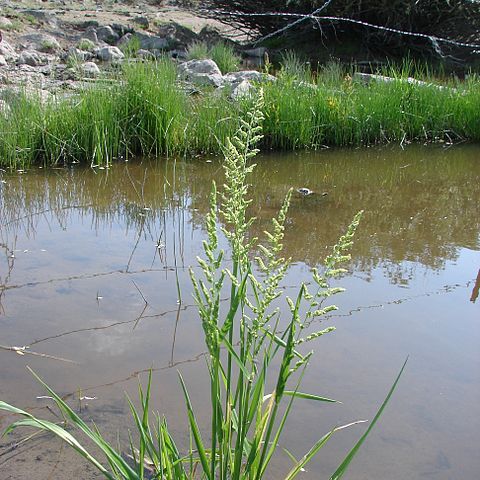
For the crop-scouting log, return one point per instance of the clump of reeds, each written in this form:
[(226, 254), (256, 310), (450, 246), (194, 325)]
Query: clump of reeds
[(249, 348), (143, 111)]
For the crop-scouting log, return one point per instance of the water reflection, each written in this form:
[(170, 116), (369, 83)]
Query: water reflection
[(93, 269)]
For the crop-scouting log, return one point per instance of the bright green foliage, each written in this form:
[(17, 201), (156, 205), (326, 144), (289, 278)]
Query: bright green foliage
[(143, 111)]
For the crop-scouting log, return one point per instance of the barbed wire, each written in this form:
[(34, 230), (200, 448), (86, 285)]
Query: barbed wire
[(313, 16)]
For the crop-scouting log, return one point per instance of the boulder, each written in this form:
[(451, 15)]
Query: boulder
[(109, 54), (91, 34), (3, 62), (42, 42), (30, 57), (121, 29), (201, 72), (207, 79), (125, 40), (108, 35), (366, 78), (7, 51), (142, 22), (177, 35), (151, 42), (42, 16), (90, 69), (195, 67), (243, 90)]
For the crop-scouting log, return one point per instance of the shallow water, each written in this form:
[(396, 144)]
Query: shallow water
[(88, 278)]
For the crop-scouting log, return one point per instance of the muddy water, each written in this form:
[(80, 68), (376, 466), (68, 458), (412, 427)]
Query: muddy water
[(93, 262)]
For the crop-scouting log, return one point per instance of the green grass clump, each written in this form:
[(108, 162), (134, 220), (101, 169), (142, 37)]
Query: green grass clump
[(141, 110), (255, 362), (131, 47), (225, 57), (221, 53), (86, 45), (197, 51)]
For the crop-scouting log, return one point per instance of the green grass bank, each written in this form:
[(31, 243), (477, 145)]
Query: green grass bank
[(145, 111)]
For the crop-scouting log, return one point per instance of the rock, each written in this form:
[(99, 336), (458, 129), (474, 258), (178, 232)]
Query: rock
[(10, 95), (194, 67), (201, 72), (177, 35), (7, 51), (258, 52), (235, 78), (30, 57), (108, 35), (178, 54), (243, 90), (42, 42), (91, 34), (142, 22), (90, 69), (109, 54), (207, 79), (125, 40), (43, 16), (146, 54), (366, 78), (151, 42), (3, 62), (121, 29)]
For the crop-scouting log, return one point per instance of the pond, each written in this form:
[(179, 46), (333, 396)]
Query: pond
[(93, 263)]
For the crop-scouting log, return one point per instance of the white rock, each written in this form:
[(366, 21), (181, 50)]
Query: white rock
[(3, 62), (90, 69), (194, 67), (151, 42), (243, 90), (207, 79), (7, 51), (109, 54), (107, 34)]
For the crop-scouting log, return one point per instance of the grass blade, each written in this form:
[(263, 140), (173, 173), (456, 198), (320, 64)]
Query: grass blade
[(346, 462)]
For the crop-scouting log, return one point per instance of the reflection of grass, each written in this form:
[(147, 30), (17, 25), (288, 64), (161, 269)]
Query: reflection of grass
[(144, 112)]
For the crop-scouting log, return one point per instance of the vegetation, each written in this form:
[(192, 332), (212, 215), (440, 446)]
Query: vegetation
[(86, 44), (256, 361), (144, 112), (221, 53)]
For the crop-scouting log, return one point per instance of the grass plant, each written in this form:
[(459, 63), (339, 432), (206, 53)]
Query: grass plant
[(197, 51), (142, 111), (256, 358), (221, 53)]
